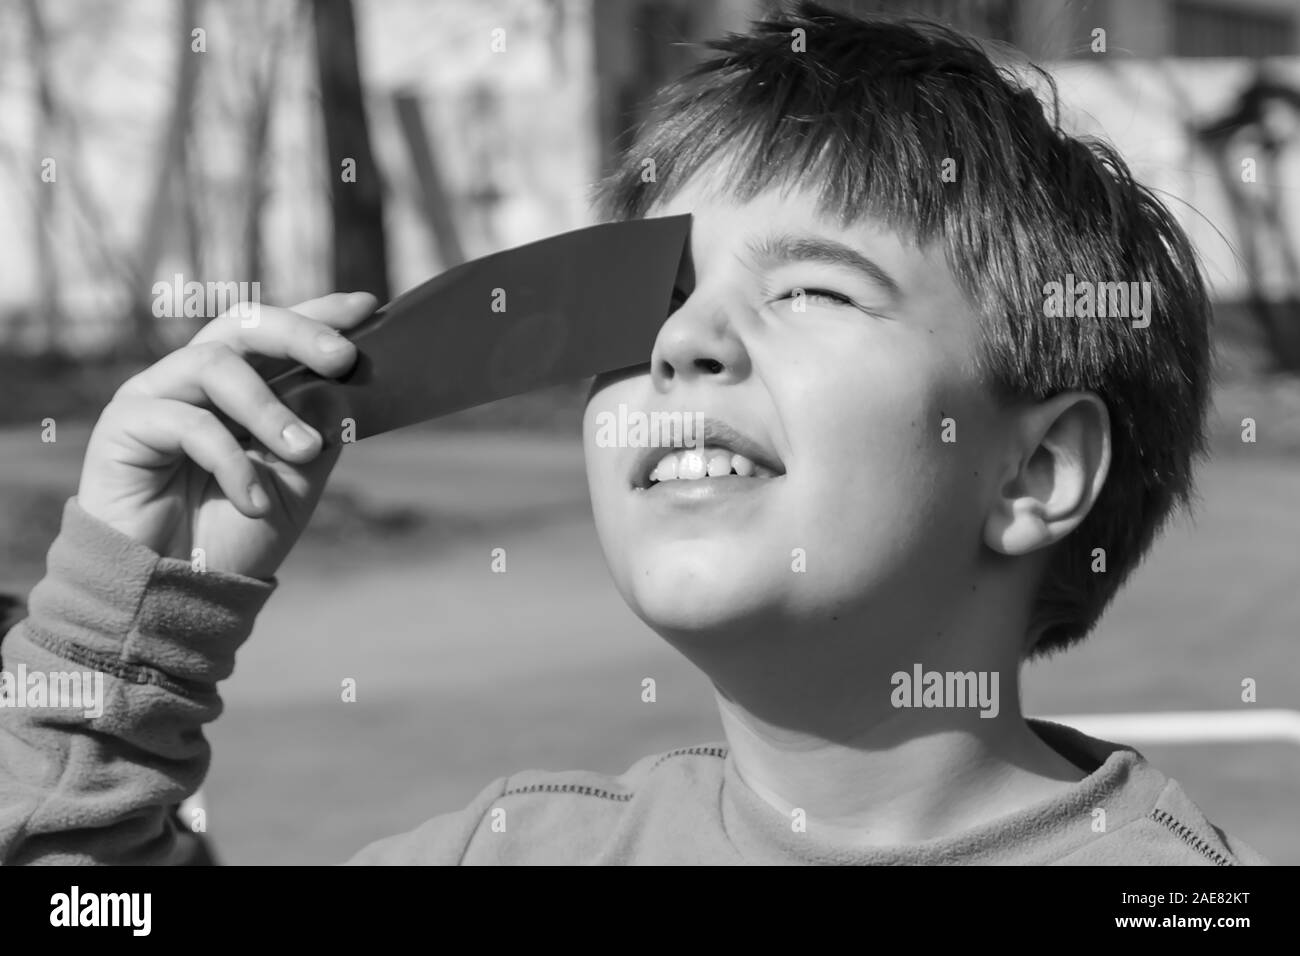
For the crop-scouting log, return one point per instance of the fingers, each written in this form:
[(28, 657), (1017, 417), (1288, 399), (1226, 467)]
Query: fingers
[(212, 375), (340, 310), (264, 333), (289, 334), (170, 427), (182, 398), (215, 369)]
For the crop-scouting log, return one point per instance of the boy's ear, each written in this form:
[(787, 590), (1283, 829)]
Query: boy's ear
[(1057, 464)]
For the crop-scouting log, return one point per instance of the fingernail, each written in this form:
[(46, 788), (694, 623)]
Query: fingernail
[(357, 298), (257, 495), (297, 437), (330, 341)]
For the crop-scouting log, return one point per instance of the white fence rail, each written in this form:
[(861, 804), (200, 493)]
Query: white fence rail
[(1188, 726)]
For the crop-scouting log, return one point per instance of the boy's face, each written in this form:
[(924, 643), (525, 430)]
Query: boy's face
[(870, 517)]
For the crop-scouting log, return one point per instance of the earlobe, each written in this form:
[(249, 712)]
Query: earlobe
[(1055, 471), (1016, 526)]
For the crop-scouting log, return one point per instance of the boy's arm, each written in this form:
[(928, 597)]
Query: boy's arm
[(102, 788)]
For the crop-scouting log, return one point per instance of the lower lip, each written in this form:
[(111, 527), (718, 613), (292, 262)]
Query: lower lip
[(705, 491)]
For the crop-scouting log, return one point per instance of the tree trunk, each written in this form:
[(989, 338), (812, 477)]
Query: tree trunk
[(47, 309), (145, 340), (360, 256), (262, 85)]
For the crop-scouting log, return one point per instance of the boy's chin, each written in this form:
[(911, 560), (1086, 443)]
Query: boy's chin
[(692, 601)]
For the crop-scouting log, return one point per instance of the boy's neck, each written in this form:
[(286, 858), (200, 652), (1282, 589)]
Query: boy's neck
[(907, 781), (836, 724)]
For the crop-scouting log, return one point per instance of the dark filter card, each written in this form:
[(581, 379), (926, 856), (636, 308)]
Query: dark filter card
[(557, 310)]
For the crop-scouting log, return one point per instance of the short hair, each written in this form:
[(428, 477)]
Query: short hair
[(863, 112)]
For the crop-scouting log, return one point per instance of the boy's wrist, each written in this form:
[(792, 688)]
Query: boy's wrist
[(114, 597)]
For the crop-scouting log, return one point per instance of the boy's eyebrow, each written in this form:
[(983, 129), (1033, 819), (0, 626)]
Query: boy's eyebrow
[(788, 247)]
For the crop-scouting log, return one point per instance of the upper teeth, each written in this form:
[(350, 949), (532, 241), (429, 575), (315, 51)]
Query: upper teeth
[(692, 463)]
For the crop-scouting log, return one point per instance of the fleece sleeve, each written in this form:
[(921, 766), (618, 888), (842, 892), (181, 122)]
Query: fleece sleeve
[(78, 786)]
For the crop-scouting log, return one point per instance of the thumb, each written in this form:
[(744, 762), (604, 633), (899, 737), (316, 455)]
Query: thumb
[(338, 310)]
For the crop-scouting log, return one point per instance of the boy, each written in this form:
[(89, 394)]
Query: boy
[(907, 463)]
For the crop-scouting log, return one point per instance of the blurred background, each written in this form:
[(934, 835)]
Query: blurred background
[(145, 139)]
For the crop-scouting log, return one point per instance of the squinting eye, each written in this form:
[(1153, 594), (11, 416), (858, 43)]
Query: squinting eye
[(823, 294)]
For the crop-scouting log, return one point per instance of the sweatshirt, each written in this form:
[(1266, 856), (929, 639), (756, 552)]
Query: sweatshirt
[(81, 786)]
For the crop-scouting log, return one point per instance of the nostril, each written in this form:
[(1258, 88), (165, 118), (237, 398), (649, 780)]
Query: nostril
[(712, 366)]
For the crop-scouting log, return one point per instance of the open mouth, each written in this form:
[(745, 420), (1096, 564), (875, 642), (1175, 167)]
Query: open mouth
[(720, 452), (692, 464)]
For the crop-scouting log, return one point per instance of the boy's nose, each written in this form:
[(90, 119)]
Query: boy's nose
[(698, 341)]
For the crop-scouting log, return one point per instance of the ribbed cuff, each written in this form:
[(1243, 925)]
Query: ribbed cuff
[(107, 594)]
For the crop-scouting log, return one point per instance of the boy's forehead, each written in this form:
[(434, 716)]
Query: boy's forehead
[(724, 223)]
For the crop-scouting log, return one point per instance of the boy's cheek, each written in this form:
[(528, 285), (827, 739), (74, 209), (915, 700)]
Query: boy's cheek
[(602, 459), (902, 453)]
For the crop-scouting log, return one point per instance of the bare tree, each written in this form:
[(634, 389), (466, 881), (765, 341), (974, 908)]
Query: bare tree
[(47, 268), (145, 339), (360, 256), (263, 84), (437, 204)]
